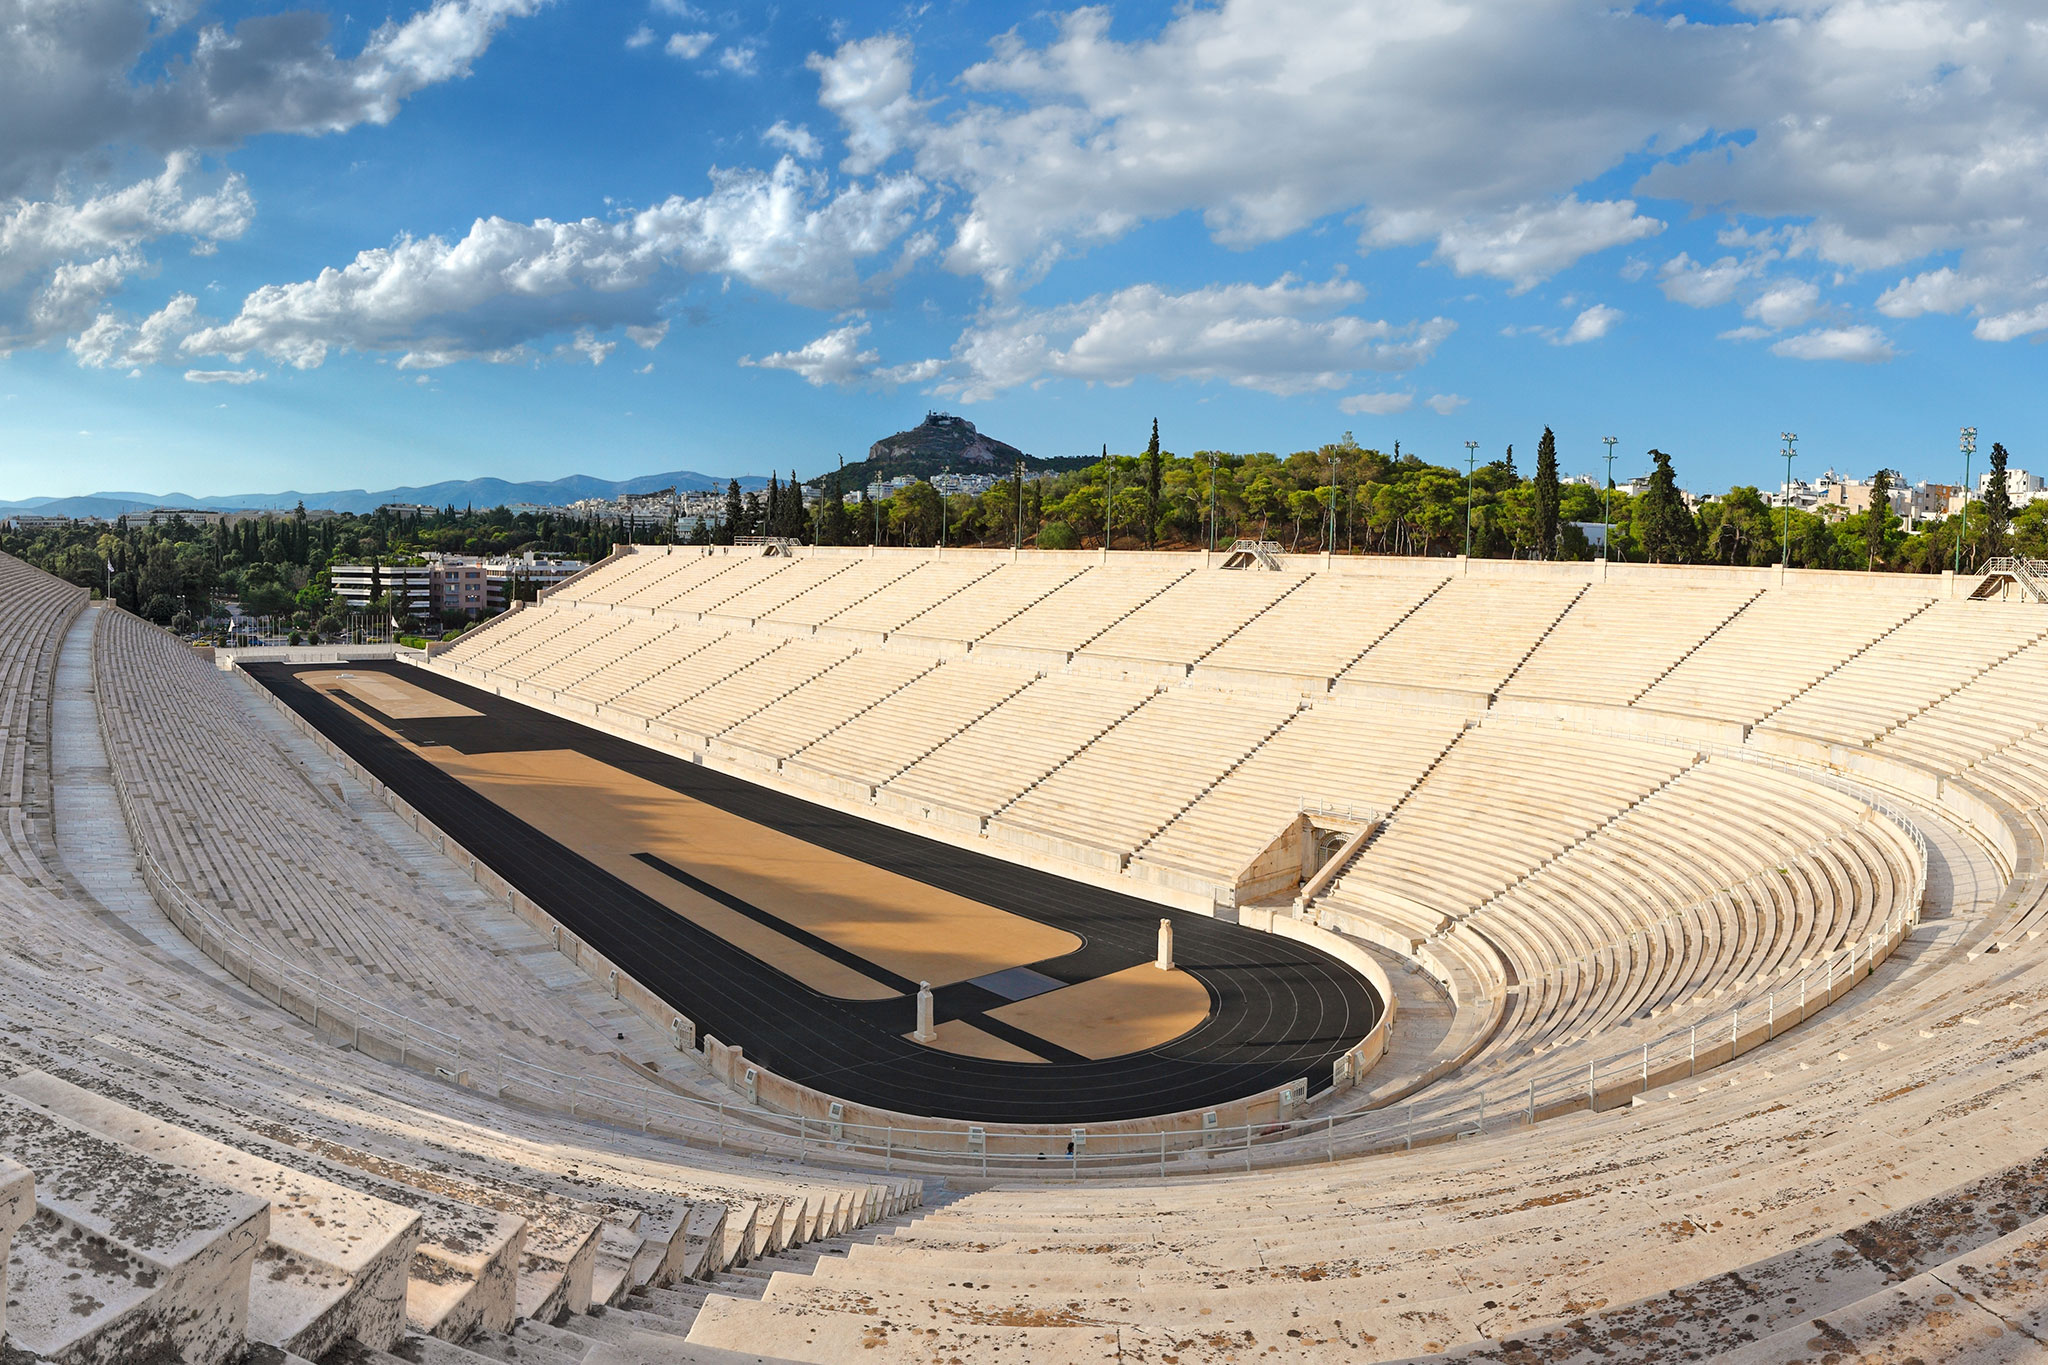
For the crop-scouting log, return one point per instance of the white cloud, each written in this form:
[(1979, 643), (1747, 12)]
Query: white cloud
[(1686, 281), (1863, 133), (1444, 404), (2009, 326), (647, 338), (866, 85), (507, 284), (1863, 345), (688, 46), (1284, 338), (1528, 244), (1745, 334), (640, 37), (739, 58), (1590, 325), (1946, 290), (681, 9), (841, 357), (60, 259), (586, 344), (235, 377), (798, 141), (112, 343), (1785, 303), (81, 76), (1376, 404)]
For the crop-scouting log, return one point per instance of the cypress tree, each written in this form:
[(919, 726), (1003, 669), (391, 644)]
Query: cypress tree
[(1997, 498), (1548, 498), (1152, 482), (735, 512), (1877, 519), (1666, 527)]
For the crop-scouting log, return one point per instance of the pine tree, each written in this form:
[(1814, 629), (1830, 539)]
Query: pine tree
[(1152, 483), (1997, 499), (1548, 498)]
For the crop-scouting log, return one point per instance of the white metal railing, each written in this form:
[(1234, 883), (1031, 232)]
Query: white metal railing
[(2030, 574)]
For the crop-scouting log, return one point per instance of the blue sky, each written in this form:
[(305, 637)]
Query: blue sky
[(246, 247)]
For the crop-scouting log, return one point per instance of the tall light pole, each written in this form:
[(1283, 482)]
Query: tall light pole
[(1019, 529), (1471, 460), (1607, 513), (1791, 440), (1963, 522)]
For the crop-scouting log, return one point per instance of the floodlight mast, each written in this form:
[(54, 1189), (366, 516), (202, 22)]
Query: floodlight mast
[(1607, 513), (1791, 440), (1969, 444), (1471, 456)]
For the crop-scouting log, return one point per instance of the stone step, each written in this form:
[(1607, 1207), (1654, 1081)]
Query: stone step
[(462, 1275), (128, 1257), (335, 1262), (17, 1206)]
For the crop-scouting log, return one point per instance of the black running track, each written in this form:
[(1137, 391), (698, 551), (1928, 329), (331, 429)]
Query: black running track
[(1279, 1010)]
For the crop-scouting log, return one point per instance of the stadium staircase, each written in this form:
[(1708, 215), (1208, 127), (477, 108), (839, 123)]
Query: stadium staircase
[(1537, 643), (1841, 664), (796, 760), (1072, 754), (2029, 575), (1392, 626), (1210, 785), (1195, 658), (1166, 581), (1697, 645)]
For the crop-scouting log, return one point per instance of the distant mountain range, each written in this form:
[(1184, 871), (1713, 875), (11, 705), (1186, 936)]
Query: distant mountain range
[(456, 492)]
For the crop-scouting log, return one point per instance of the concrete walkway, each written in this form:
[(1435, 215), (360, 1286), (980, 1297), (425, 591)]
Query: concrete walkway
[(92, 834)]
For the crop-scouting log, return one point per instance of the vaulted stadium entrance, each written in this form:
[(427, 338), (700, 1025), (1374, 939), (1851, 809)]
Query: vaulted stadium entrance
[(803, 933)]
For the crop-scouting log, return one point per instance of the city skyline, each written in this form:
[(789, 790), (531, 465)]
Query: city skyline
[(527, 239)]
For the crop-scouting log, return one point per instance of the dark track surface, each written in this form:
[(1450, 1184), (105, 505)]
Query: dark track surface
[(1280, 1011)]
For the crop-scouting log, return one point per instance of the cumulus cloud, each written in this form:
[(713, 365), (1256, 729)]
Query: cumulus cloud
[(236, 377), (81, 76), (688, 46), (640, 37), (841, 357), (1288, 337), (1863, 345), (1284, 338), (1687, 281), (505, 284), (1862, 133), (1444, 404), (739, 58), (798, 141), (1590, 325), (866, 85), (1376, 404), (60, 260), (1785, 303), (1527, 244)]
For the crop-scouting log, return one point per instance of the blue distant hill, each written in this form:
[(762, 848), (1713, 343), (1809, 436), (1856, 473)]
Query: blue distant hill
[(478, 493)]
